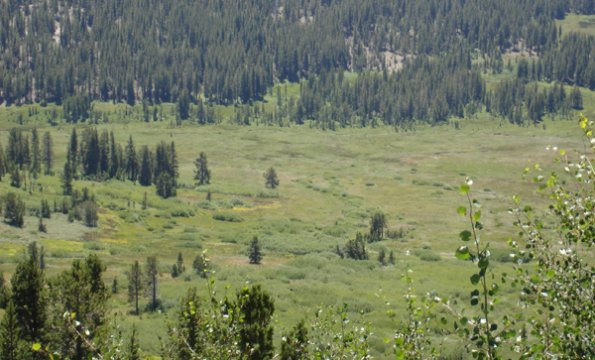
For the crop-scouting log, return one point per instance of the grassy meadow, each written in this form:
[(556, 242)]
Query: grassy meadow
[(330, 185)]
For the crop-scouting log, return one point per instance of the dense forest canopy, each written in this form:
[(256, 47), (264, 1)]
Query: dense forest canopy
[(231, 52)]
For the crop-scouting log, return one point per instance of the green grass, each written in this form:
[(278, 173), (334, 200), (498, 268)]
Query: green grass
[(578, 23), (331, 182)]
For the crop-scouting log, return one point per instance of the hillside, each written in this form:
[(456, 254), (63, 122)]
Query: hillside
[(222, 179)]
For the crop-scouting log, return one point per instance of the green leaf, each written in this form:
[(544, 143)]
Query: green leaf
[(36, 347), (475, 279), (463, 253), (477, 216), (464, 189), (465, 235), (461, 210), (483, 263)]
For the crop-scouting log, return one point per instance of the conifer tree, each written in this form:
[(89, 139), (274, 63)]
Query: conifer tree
[(295, 344), (202, 172), (67, 178), (145, 176), (48, 155), (14, 210), (152, 272), (10, 335), (4, 293), (135, 285), (180, 263), (254, 252), (256, 331), (29, 297), (131, 161), (36, 156), (3, 163), (72, 155), (271, 179)]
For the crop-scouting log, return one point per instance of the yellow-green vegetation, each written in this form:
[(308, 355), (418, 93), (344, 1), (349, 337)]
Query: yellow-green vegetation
[(331, 183), (578, 23)]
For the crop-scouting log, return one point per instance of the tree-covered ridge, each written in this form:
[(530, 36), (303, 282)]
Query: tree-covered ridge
[(232, 51)]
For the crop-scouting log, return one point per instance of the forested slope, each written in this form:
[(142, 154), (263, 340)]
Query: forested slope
[(232, 51)]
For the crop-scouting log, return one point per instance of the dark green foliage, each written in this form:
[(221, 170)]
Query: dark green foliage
[(202, 172), (145, 176), (17, 151), (29, 297), (189, 335), (115, 286), (14, 210), (377, 226), (4, 292), (67, 178), (81, 293), (3, 163), (76, 108), (166, 185), (10, 344), (184, 105), (133, 352), (48, 153), (180, 263), (254, 252), (131, 161), (35, 166), (575, 99), (152, 274), (256, 331), (89, 213), (382, 257), (271, 179), (295, 344), (44, 210), (356, 248), (391, 258), (15, 177), (135, 285), (72, 154)]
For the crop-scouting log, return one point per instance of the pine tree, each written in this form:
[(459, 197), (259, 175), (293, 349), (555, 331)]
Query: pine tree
[(3, 163), (382, 257), (152, 272), (48, 155), (135, 285), (14, 210), (67, 178), (10, 334), (180, 263), (35, 153), (145, 176), (377, 225), (271, 179), (256, 332), (72, 155), (29, 297), (131, 161), (80, 292), (295, 344), (254, 252), (4, 293), (391, 258), (203, 174), (166, 185), (15, 177)]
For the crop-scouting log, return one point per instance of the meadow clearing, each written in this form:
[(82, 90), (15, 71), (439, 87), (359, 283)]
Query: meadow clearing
[(331, 182)]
